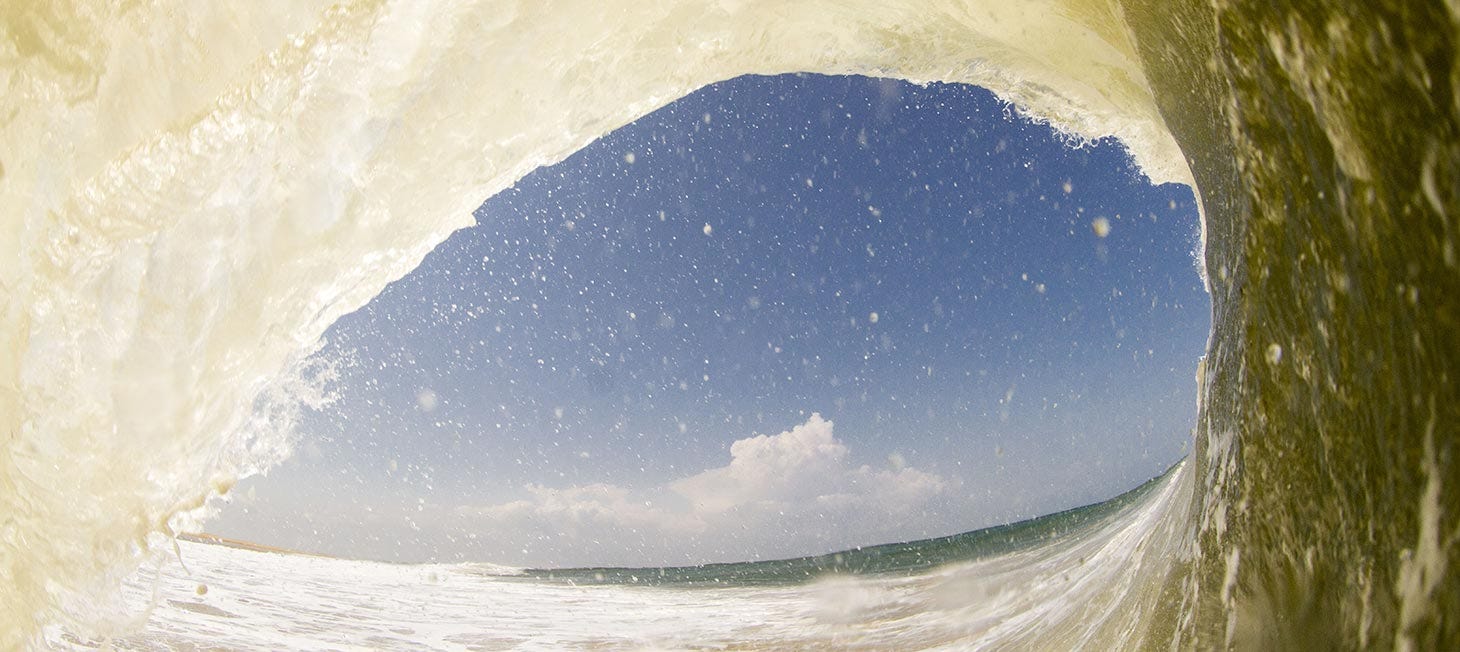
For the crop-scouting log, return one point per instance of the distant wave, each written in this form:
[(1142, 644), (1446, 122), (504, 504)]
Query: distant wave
[(906, 558), (1031, 585)]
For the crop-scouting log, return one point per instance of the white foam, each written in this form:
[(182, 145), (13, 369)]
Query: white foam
[(1089, 591)]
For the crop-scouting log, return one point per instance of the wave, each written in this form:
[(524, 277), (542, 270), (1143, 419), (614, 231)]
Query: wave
[(191, 193), (1031, 585), (906, 558)]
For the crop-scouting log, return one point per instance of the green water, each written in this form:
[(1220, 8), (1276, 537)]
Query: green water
[(1323, 139)]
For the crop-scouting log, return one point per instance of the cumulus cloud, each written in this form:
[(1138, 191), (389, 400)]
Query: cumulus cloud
[(787, 494), (802, 469)]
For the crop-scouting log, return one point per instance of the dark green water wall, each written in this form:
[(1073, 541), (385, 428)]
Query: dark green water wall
[(1323, 137)]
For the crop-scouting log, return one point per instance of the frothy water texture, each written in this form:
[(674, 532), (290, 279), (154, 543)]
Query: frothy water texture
[(1040, 588), (192, 192)]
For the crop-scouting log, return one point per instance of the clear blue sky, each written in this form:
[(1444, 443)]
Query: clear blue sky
[(565, 383)]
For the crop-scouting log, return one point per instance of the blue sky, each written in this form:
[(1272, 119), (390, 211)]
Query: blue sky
[(988, 321)]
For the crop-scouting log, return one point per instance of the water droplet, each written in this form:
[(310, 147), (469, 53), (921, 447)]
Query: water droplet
[(426, 400), (1274, 353)]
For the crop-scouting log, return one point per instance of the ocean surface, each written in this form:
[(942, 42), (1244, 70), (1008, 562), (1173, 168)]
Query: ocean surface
[(1033, 585), (192, 192)]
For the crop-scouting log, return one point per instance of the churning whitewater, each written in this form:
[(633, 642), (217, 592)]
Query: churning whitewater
[(1037, 585), (192, 192)]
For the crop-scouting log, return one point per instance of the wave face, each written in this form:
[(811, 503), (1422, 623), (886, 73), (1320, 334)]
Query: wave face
[(191, 193)]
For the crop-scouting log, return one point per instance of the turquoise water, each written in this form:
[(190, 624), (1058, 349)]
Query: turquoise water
[(905, 558)]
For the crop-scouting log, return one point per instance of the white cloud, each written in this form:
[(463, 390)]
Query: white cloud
[(802, 468), (787, 494)]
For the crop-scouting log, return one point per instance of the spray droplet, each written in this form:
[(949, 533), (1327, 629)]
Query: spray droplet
[(426, 400), (1274, 353)]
